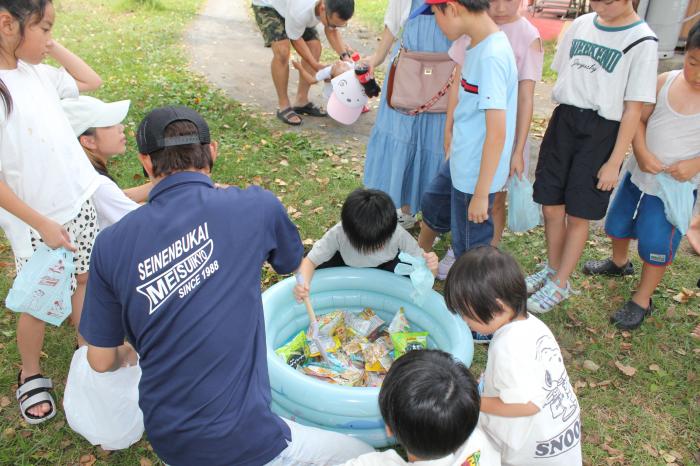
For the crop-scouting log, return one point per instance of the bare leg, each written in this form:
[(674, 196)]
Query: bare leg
[(499, 217), (426, 237), (77, 304), (303, 87), (555, 233), (620, 251), (651, 277), (30, 339), (694, 233), (574, 243), (280, 74)]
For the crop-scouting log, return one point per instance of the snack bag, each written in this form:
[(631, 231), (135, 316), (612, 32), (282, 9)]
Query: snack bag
[(329, 323), (363, 323), (329, 344), (408, 341), (296, 352), (399, 323), (377, 356), (348, 376), (373, 379)]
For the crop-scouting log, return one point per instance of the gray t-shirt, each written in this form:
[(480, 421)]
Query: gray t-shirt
[(335, 240)]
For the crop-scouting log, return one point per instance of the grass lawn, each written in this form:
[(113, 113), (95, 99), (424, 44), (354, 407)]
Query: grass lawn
[(650, 417)]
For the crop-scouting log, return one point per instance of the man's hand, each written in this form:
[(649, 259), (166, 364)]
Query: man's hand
[(478, 210), (684, 170), (55, 235), (607, 176), (431, 260)]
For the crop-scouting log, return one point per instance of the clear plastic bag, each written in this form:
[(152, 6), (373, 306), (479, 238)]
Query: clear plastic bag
[(523, 212), (103, 407), (42, 287), (678, 200)]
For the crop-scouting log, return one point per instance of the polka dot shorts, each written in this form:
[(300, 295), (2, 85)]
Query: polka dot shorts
[(82, 231)]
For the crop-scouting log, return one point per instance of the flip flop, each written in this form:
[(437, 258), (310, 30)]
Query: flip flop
[(286, 114), (35, 391), (310, 109)]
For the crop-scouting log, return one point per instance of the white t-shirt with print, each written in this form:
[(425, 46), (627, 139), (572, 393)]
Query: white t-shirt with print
[(40, 158), (602, 67), (111, 203), (476, 451), (525, 365), (298, 15), (335, 240)]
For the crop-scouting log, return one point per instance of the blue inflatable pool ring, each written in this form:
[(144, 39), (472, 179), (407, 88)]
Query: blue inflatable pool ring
[(349, 410)]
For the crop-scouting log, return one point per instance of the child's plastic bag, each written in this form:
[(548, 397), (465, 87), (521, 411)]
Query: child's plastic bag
[(42, 287), (103, 407), (678, 200), (421, 276), (523, 212)]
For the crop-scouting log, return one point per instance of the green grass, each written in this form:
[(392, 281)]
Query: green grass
[(137, 50)]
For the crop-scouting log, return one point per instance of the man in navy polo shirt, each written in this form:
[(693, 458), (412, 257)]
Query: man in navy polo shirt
[(180, 279)]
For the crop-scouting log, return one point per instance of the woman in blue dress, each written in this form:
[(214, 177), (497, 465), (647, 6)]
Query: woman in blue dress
[(404, 152)]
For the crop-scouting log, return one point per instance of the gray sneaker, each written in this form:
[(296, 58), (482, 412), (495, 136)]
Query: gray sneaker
[(547, 297)]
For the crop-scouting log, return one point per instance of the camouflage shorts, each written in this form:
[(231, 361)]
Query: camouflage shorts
[(271, 24)]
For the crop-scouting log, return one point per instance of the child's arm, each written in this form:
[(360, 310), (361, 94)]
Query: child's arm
[(306, 55), (685, 170), (305, 75), (139, 194), (610, 171), (85, 77), (494, 405), (526, 97), (306, 269), (646, 160), (385, 42), (452, 101), (52, 233), (478, 210)]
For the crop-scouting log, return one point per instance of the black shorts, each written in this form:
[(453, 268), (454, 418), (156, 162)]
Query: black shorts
[(576, 144), (271, 24)]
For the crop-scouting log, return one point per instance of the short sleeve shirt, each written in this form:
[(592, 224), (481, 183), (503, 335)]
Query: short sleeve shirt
[(180, 278), (489, 81), (335, 240), (600, 67), (300, 15), (525, 365), (396, 15)]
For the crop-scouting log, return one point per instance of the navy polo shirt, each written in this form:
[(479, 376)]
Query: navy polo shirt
[(180, 279)]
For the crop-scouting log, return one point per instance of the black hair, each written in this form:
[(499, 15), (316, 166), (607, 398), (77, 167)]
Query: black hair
[(26, 12), (479, 279), (369, 219), (693, 41), (343, 8), (473, 6), (180, 158), (430, 402)]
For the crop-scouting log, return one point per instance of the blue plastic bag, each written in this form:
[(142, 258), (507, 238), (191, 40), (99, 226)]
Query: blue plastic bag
[(523, 212), (678, 199), (42, 287), (421, 276)]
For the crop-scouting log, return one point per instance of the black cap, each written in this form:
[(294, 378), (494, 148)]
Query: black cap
[(150, 135)]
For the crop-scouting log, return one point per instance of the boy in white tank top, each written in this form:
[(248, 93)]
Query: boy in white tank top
[(666, 143)]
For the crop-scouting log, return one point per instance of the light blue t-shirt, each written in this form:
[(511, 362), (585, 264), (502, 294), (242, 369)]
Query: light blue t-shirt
[(489, 81)]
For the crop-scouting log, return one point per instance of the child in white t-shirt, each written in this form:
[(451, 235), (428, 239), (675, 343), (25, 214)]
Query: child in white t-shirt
[(45, 179), (368, 236), (97, 125), (430, 404), (528, 407)]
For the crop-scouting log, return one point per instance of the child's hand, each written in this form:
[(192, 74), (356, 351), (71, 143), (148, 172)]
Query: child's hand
[(684, 170), (431, 260), (127, 355), (301, 292), (54, 235), (517, 165), (607, 176), (447, 142), (297, 65), (650, 164), (478, 210)]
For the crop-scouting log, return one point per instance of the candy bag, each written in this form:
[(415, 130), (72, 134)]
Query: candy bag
[(523, 212), (363, 323), (422, 278), (377, 356), (329, 323), (296, 352), (399, 323), (405, 342), (329, 344), (678, 201)]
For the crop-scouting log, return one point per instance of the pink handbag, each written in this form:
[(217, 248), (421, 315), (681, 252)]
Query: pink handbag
[(418, 82)]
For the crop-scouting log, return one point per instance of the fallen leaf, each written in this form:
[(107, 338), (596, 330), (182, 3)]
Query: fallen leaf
[(626, 334), (654, 367), (307, 242), (604, 383), (627, 370), (87, 460), (668, 457), (65, 443), (8, 433), (590, 365), (624, 346), (610, 450), (280, 182), (4, 402), (651, 450), (579, 384), (145, 462), (25, 433), (284, 163), (680, 351), (308, 202)]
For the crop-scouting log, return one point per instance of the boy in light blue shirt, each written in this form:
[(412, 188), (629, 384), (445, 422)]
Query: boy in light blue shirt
[(483, 129)]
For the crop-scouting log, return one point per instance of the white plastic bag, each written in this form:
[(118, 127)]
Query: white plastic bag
[(103, 407), (42, 287), (523, 212)]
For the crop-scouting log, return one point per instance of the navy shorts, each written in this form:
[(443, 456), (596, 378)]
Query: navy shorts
[(576, 144), (445, 209), (635, 215)]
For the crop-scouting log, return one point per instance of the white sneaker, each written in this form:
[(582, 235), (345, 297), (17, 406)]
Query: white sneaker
[(407, 221), (445, 264)]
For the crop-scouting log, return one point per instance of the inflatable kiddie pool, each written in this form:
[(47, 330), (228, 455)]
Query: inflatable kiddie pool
[(349, 410)]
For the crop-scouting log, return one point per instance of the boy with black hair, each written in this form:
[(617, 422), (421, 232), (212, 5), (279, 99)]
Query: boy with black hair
[(181, 281), (292, 23), (430, 404), (367, 236), (607, 64), (483, 128), (528, 407)]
